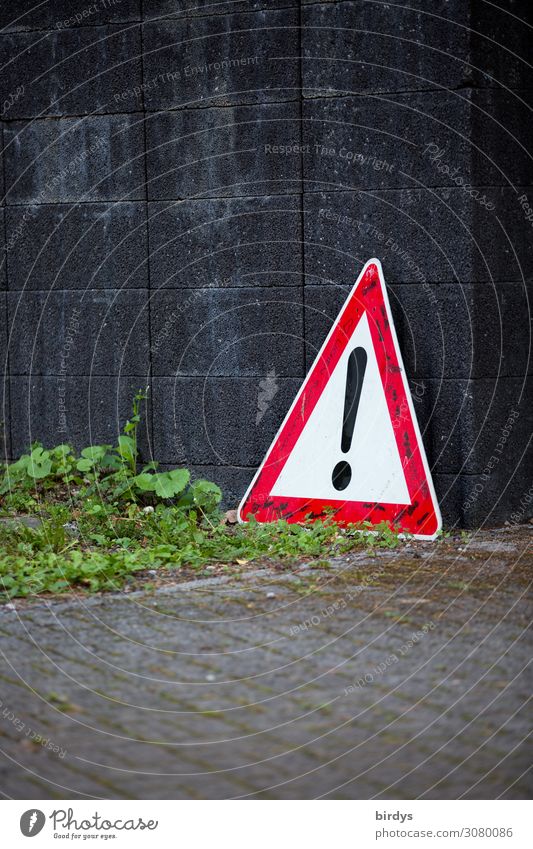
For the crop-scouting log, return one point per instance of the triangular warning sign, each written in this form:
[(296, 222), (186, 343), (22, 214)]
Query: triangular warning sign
[(350, 441)]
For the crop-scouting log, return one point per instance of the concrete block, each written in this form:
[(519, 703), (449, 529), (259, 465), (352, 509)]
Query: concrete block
[(85, 246), (502, 327), (3, 333), (445, 414), (474, 501), (499, 137), (505, 497), (66, 13), (5, 414), (21, 15), (451, 491), (498, 44), (469, 331), (3, 254), (71, 160), (451, 43), (448, 492), (466, 424), (77, 410), (70, 72), (372, 141), (222, 60), (2, 144), (421, 139), (444, 331), (79, 333), (436, 236), (24, 15), (224, 152), (5, 418), (206, 8), (226, 242), (233, 332), (358, 46), (217, 421)]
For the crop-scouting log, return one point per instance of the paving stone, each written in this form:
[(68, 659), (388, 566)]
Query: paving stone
[(236, 332), (27, 521), (227, 242), (384, 688), (94, 246), (223, 152), (89, 159), (78, 410), (102, 332), (217, 420), (70, 72), (221, 60)]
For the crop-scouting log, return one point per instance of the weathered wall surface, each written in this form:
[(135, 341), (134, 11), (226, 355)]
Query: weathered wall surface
[(190, 189)]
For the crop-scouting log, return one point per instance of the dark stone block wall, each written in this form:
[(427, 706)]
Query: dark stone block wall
[(189, 190)]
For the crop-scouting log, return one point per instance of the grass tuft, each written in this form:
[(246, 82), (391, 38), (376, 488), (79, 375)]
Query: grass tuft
[(104, 521)]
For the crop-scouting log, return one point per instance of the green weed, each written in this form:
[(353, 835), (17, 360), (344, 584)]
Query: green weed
[(106, 519)]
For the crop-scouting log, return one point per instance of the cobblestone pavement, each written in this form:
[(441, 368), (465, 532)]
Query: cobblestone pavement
[(402, 674)]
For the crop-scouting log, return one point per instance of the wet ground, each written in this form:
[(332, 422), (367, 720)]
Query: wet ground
[(398, 674)]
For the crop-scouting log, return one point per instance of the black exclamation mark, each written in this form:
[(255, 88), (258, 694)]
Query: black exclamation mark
[(342, 473)]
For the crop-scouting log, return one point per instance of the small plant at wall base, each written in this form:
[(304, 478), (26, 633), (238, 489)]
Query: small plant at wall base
[(107, 470), (103, 519)]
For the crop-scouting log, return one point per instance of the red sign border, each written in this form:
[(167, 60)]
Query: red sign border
[(421, 517)]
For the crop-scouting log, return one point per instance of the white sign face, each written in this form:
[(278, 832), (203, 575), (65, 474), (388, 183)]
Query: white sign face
[(373, 456), (350, 446)]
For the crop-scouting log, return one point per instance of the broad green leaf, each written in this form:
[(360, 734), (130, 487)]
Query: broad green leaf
[(126, 447), (145, 482), (180, 476), (39, 467), (61, 452), (95, 452), (170, 484)]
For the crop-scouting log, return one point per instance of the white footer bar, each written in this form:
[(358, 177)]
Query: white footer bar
[(268, 824)]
